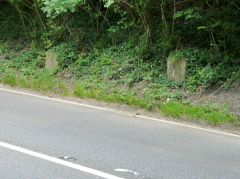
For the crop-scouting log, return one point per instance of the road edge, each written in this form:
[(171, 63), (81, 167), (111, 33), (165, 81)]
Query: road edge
[(120, 112)]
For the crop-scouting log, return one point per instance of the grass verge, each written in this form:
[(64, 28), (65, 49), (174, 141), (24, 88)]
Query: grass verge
[(177, 110), (47, 83)]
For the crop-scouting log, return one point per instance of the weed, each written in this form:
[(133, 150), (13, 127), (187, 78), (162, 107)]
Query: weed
[(10, 80), (61, 88), (23, 82), (79, 90), (177, 109)]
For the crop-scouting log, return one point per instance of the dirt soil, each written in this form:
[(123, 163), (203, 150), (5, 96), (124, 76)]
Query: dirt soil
[(229, 99)]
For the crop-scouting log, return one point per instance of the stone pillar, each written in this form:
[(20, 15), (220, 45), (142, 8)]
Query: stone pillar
[(176, 68), (1, 55), (51, 61)]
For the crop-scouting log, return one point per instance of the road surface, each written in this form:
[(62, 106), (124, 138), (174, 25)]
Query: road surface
[(35, 131)]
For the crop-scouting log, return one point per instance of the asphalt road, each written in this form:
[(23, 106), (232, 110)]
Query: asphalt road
[(105, 141)]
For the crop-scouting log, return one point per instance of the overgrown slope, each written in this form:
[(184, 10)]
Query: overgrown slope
[(116, 50)]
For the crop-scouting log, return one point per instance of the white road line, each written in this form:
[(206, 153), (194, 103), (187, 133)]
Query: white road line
[(58, 161), (126, 171), (129, 114)]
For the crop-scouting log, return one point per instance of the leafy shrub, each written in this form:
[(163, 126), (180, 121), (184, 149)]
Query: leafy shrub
[(67, 53)]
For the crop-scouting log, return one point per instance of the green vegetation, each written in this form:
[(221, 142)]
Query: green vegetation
[(120, 97), (116, 50), (44, 82), (40, 82), (176, 109)]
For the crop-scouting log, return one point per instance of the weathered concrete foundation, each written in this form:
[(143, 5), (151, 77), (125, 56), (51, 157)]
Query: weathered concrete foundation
[(51, 61), (176, 68)]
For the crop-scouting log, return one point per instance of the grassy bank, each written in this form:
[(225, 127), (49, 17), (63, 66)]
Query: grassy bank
[(117, 52), (47, 83)]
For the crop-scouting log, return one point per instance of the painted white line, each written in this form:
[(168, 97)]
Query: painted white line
[(58, 161), (129, 114), (54, 99), (125, 171), (189, 126)]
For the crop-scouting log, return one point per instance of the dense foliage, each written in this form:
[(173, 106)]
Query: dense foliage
[(129, 40)]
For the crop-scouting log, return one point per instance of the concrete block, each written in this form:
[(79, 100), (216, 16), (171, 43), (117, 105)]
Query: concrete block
[(51, 61), (176, 68)]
